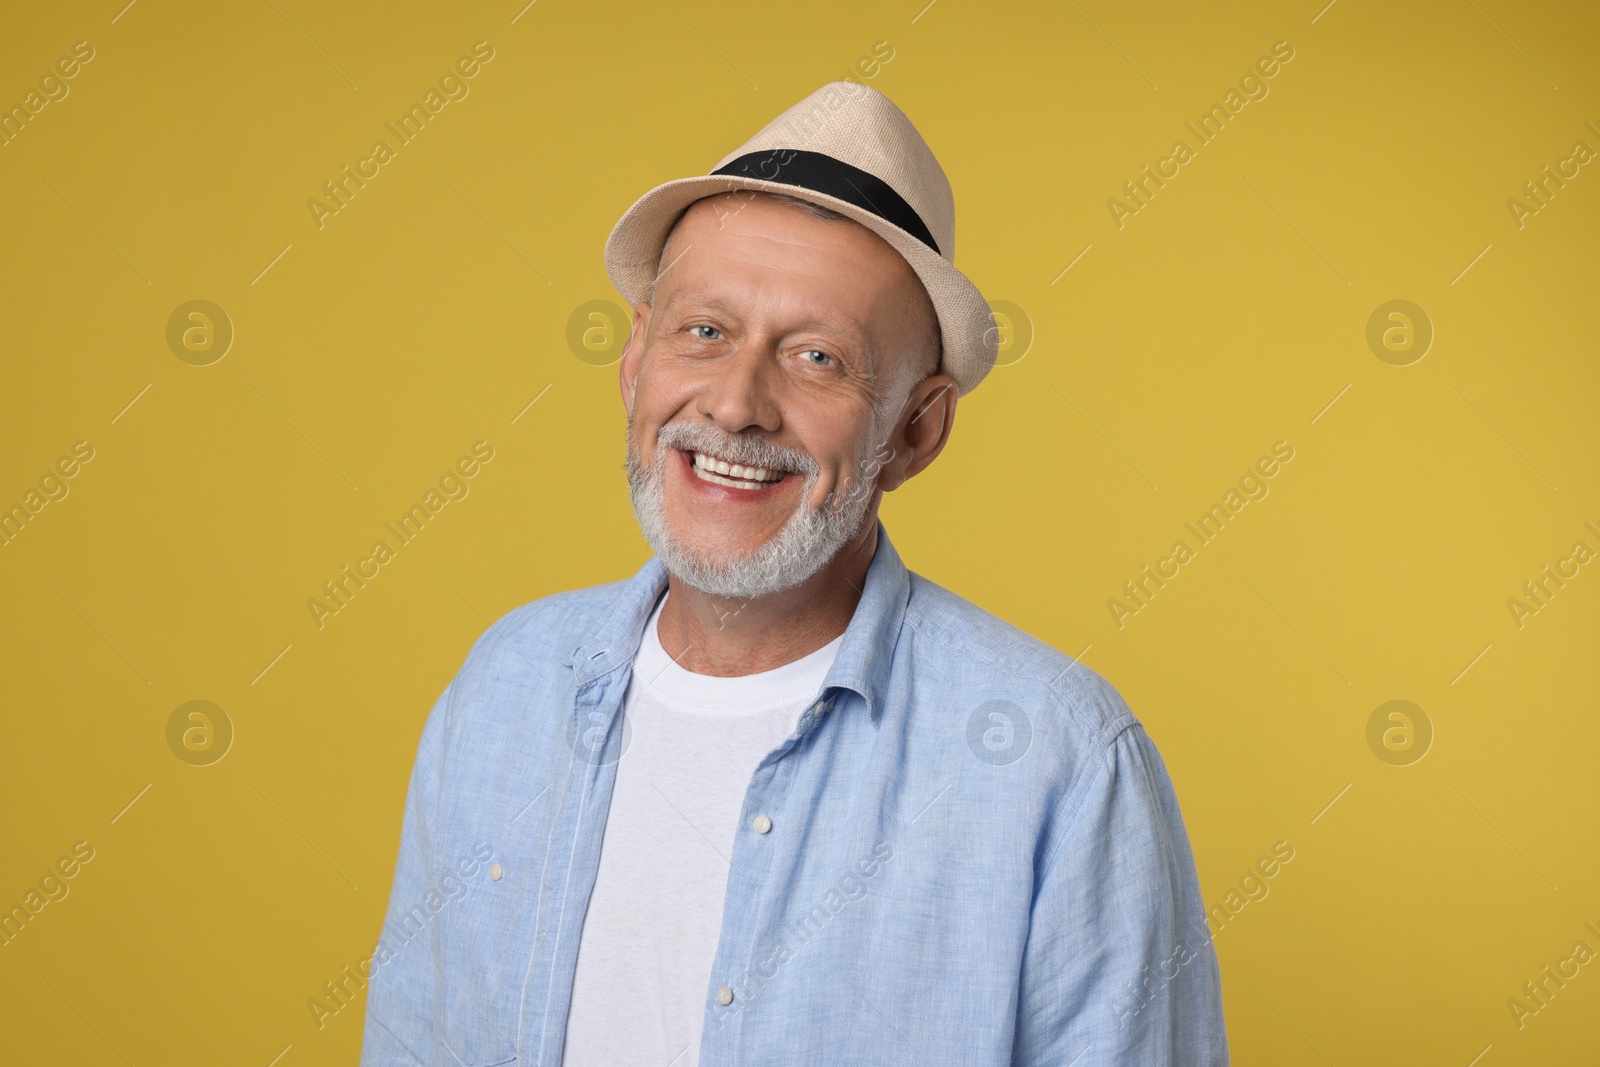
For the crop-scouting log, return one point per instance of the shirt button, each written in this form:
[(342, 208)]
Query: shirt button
[(761, 824), (496, 871), (724, 996)]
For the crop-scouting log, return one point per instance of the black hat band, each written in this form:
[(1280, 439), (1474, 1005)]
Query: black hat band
[(832, 177)]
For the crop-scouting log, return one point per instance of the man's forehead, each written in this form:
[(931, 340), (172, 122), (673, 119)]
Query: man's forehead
[(773, 220)]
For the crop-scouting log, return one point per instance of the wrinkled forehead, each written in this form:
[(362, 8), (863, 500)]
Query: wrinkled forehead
[(783, 276), (769, 254)]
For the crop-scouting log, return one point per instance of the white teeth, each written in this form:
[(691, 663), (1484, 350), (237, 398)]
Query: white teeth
[(746, 476), (735, 483), (721, 472)]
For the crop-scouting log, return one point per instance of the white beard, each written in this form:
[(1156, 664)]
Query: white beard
[(800, 548)]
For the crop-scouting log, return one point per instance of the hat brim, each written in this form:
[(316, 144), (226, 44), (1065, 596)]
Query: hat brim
[(633, 254)]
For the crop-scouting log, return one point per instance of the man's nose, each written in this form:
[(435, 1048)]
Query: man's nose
[(741, 391)]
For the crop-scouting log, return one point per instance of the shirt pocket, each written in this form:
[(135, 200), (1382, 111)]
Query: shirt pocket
[(475, 972)]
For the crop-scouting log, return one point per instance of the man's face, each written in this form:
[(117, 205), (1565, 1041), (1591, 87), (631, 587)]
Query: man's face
[(762, 385)]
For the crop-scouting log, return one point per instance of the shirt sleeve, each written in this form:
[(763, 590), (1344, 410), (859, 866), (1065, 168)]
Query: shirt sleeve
[(1119, 967), (400, 1003)]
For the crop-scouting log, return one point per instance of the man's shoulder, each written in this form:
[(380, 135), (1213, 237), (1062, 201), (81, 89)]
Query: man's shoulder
[(988, 653), (542, 634)]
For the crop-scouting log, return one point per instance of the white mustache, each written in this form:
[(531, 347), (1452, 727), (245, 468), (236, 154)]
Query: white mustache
[(745, 450)]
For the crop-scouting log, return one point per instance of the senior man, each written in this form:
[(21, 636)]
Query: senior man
[(775, 799)]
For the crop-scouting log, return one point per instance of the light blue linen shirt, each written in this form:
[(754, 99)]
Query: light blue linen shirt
[(975, 855)]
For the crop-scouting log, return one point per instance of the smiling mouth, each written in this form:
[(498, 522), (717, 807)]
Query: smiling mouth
[(719, 471)]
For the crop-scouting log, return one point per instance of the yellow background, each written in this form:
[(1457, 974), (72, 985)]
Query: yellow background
[(1226, 315)]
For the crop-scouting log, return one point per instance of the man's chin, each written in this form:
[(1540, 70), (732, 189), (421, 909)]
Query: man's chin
[(757, 568), (740, 558), (720, 548), (710, 565)]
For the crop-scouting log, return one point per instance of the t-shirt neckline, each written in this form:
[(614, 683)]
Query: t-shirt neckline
[(792, 682)]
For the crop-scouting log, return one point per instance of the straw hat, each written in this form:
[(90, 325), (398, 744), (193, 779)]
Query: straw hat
[(846, 147)]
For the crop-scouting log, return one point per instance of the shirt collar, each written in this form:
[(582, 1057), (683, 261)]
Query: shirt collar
[(865, 654), (868, 648)]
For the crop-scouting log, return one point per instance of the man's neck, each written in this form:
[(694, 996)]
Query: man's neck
[(714, 635)]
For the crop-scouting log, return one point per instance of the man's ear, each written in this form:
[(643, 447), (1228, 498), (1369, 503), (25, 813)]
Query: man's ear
[(921, 433), (632, 354)]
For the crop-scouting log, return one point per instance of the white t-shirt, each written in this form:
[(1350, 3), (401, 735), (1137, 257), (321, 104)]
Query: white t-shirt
[(654, 920)]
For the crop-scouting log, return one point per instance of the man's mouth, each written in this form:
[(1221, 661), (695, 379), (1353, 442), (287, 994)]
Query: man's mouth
[(719, 471)]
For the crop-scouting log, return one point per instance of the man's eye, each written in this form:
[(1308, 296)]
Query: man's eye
[(816, 358), (705, 333)]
